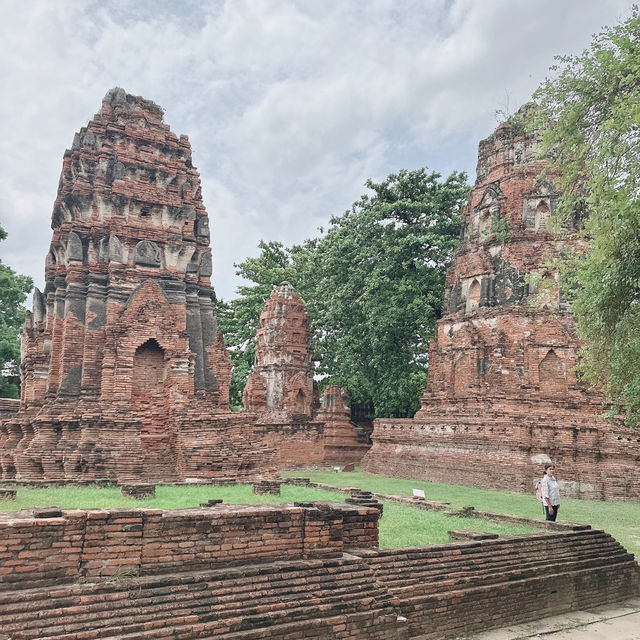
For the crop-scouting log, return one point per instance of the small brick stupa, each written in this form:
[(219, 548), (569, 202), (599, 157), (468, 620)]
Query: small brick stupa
[(281, 384), (503, 397), (280, 391), (123, 373), (344, 441)]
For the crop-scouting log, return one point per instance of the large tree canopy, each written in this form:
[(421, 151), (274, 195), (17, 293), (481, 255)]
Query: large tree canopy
[(373, 284), (591, 111), (13, 292)]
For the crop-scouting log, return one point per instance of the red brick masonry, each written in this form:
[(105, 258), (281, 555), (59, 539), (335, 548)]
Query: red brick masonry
[(503, 397), (124, 373), (282, 571)]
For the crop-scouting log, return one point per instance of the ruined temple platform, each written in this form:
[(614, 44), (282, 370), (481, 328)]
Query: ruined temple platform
[(283, 571)]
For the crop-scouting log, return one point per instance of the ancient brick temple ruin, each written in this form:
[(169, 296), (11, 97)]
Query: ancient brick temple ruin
[(502, 396), (281, 391), (284, 571), (281, 384), (124, 373)]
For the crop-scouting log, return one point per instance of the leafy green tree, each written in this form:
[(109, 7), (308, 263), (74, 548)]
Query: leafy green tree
[(13, 292), (590, 110), (373, 285)]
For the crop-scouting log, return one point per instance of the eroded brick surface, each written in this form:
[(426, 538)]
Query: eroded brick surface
[(8, 407), (280, 391), (124, 373), (282, 379), (308, 570), (502, 395)]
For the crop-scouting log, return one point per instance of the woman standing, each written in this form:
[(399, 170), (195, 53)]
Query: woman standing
[(550, 493)]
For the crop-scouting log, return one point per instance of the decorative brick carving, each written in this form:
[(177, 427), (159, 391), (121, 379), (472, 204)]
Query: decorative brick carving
[(502, 394), (125, 375)]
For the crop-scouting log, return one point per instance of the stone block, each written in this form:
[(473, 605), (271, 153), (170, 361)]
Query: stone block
[(138, 491)]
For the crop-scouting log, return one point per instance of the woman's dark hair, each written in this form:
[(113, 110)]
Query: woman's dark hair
[(546, 466)]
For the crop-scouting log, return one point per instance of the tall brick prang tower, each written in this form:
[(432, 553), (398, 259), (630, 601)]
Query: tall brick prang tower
[(503, 396), (123, 373)]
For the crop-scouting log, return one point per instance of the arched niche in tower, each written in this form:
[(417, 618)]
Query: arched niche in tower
[(486, 209), (473, 296), (551, 374), (149, 372), (541, 216)]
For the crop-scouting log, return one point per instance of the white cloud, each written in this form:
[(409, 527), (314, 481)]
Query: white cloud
[(289, 106)]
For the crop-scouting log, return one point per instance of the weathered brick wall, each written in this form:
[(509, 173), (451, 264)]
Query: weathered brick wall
[(93, 544), (278, 571), (503, 397), (498, 449), (297, 444), (8, 407)]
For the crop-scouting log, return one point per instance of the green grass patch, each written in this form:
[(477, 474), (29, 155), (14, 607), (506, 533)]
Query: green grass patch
[(409, 527), (400, 526), (167, 497), (620, 519)]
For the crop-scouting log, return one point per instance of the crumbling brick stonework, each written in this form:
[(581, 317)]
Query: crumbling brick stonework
[(124, 374), (8, 407), (280, 391), (281, 572), (502, 396), (341, 444), (282, 379)]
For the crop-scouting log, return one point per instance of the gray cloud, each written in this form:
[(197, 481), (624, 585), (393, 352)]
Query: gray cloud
[(290, 106)]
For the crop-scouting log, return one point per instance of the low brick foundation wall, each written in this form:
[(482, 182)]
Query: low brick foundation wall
[(102, 543), (596, 461), (446, 591), (276, 572)]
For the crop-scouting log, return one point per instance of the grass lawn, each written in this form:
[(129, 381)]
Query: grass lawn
[(400, 526), (620, 519)]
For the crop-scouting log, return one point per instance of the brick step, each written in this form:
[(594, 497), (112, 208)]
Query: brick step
[(387, 565), (223, 579), (343, 592), (412, 598), (244, 572), (204, 601), (395, 574), (421, 574), (529, 542), (192, 622), (469, 581), (392, 560), (327, 627)]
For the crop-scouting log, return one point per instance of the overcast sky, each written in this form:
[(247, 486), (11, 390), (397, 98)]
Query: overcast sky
[(289, 106)]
